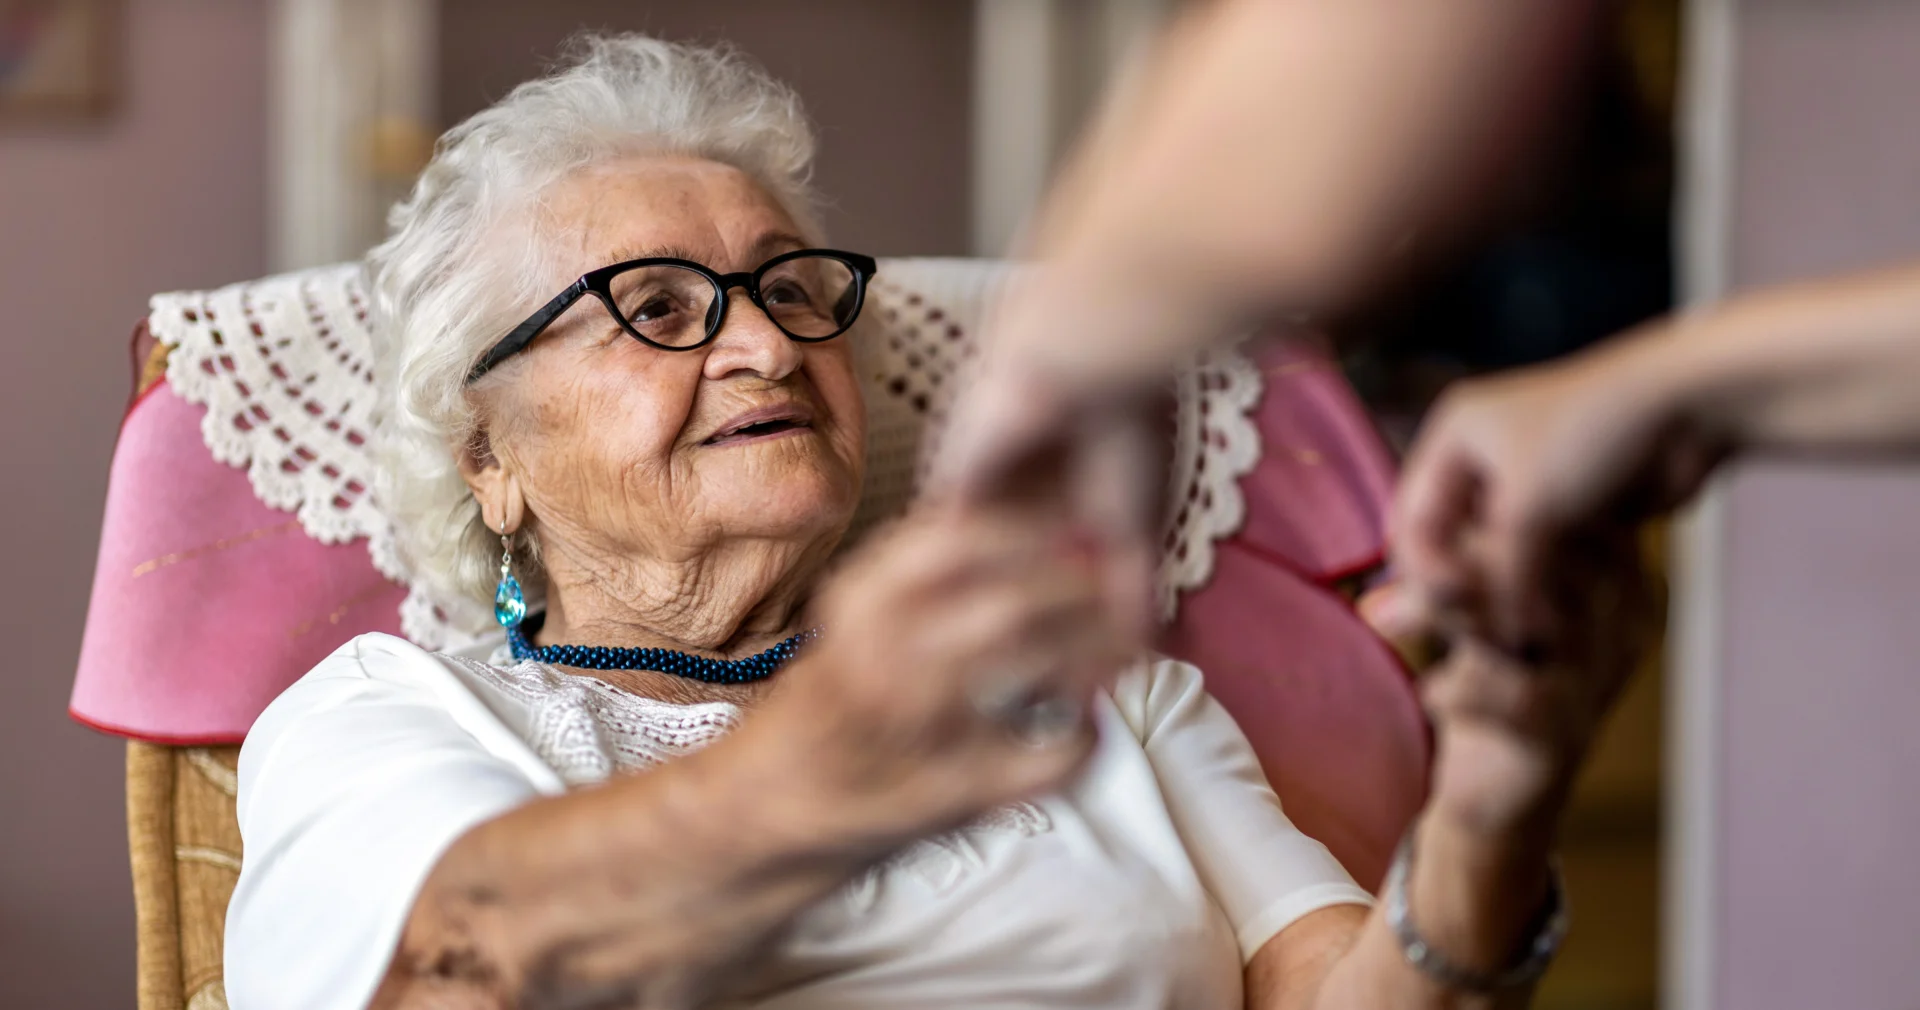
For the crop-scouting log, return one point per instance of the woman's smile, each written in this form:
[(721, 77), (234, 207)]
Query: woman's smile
[(764, 424)]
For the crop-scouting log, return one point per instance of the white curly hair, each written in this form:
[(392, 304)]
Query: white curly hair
[(462, 257)]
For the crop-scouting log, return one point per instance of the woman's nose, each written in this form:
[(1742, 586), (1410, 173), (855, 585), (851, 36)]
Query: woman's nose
[(749, 342)]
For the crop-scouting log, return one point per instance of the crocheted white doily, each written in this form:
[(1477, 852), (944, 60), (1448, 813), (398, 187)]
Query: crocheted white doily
[(284, 367)]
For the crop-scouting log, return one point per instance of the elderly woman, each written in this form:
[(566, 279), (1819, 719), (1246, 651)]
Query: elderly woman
[(697, 773)]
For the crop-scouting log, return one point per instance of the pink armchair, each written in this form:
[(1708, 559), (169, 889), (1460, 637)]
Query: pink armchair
[(242, 544)]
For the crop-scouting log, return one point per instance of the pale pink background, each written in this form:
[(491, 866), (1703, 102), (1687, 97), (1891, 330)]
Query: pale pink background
[(171, 192), (1820, 631), (167, 193), (887, 83)]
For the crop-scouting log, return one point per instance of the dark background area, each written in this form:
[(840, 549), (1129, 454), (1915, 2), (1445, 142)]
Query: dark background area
[(1575, 244)]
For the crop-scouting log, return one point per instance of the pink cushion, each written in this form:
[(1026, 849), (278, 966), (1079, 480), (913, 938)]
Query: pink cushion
[(207, 603), (1317, 500), (1326, 704)]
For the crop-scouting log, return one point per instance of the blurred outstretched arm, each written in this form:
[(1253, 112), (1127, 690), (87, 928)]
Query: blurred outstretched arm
[(1276, 155), (1513, 472)]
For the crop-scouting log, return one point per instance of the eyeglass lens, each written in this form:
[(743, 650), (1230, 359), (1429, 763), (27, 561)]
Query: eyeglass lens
[(808, 297)]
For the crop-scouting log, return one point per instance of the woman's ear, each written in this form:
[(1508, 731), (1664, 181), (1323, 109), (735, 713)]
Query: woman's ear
[(494, 486)]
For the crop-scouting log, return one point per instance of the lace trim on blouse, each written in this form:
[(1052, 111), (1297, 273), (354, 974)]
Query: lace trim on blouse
[(587, 730)]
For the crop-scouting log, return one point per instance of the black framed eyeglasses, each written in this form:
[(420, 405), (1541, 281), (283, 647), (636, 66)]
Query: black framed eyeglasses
[(679, 305)]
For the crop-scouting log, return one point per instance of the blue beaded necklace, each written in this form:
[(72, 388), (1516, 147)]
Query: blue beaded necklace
[(744, 670)]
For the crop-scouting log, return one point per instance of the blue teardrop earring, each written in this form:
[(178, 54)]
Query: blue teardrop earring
[(509, 604)]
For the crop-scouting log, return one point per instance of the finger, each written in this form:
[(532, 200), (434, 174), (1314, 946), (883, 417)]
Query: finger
[(945, 548), (1061, 657), (1460, 614), (1432, 511), (1002, 422), (1128, 576), (1388, 609), (1480, 682), (1410, 629), (999, 619), (1514, 552), (1078, 657), (1056, 683), (925, 682), (1119, 471), (1077, 661), (1021, 770)]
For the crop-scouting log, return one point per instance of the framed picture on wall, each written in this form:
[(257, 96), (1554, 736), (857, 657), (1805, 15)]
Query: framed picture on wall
[(58, 59)]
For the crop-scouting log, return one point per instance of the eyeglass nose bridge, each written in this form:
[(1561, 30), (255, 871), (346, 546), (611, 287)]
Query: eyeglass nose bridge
[(723, 284)]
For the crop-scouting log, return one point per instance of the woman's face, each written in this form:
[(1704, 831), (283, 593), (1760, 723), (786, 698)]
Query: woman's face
[(623, 450)]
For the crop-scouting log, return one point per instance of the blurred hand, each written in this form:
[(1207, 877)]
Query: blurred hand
[(1388, 611), (935, 632), (1511, 731), (1509, 470), (1023, 439)]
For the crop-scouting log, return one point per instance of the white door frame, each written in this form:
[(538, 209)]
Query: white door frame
[(1039, 68), (353, 110), (1703, 240)]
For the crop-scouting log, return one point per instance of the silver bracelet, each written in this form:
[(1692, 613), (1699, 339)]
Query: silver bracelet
[(1551, 930)]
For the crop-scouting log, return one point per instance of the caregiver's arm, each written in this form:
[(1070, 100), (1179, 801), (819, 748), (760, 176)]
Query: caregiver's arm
[(1510, 738), (1475, 899), (1509, 465), (649, 890), (1275, 155), (1478, 880), (645, 888)]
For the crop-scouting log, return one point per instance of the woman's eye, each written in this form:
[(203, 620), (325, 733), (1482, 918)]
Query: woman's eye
[(784, 293), (653, 309)]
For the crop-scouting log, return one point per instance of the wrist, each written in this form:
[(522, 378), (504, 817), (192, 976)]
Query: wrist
[(1473, 924), (1473, 898), (1487, 858), (1498, 787), (1703, 385), (760, 788), (825, 781)]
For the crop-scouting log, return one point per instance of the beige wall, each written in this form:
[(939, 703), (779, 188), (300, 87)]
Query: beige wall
[(93, 217), (887, 83)]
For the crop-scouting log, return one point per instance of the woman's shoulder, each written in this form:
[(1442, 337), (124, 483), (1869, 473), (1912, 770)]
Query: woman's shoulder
[(376, 687), (366, 669), (376, 662), (375, 655), (374, 671)]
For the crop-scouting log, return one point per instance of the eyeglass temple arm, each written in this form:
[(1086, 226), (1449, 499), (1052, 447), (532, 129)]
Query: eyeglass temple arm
[(523, 334)]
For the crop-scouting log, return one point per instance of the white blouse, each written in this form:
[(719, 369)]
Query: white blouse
[(1147, 884)]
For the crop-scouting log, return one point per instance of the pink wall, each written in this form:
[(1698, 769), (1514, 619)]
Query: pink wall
[(1829, 153), (1820, 710), (1819, 637), (168, 192)]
